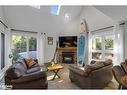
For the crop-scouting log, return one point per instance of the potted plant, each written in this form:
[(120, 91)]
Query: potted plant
[(14, 57)]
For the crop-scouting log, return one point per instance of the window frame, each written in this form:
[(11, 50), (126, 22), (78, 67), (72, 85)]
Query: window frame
[(102, 35), (27, 35)]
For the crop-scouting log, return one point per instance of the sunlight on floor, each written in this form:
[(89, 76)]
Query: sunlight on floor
[(60, 81), (50, 77)]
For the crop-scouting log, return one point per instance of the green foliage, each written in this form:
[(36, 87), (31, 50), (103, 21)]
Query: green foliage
[(109, 44), (14, 57), (20, 43), (32, 44), (98, 44)]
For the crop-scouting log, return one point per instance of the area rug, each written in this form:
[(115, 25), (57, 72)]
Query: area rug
[(64, 82)]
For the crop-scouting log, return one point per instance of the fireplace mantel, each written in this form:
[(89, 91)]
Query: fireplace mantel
[(66, 49), (74, 49)]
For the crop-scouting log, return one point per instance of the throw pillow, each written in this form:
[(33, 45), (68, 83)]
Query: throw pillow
[(30, 62)]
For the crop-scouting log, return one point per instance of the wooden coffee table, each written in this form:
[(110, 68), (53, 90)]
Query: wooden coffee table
[(55, 68)]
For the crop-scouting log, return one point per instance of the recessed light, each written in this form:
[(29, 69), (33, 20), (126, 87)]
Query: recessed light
[(67, 16)]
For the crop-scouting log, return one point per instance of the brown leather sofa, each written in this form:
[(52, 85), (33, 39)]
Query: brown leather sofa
[(19, 76), (119, 71), (93, 76)]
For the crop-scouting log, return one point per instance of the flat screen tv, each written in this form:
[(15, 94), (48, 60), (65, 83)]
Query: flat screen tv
[(67, 41)]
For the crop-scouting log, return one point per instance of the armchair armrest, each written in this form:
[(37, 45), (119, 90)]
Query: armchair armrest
[(30, 77), (78, 70), (118, 74), (118, 71)]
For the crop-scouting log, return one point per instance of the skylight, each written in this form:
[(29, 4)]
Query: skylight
[(55, 9)]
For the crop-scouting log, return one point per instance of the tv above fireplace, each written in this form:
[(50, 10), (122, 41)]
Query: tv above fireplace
[(67, 41)]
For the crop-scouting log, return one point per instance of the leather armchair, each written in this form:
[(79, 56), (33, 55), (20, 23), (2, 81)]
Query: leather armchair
[(119, 71), (21, 77), (93, 76)]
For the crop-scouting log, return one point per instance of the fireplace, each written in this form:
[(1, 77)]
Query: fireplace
[(68, 57)]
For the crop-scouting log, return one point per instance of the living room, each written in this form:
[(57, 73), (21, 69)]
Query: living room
[(49, 36)]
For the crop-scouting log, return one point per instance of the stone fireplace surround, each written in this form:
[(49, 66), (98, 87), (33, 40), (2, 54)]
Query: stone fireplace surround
[(60, 51)]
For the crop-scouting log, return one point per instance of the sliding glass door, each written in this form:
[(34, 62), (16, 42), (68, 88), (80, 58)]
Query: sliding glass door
[(25, 46), (2, 51)]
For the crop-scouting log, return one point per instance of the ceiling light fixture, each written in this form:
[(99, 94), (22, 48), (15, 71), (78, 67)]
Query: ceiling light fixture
[(67, 16)]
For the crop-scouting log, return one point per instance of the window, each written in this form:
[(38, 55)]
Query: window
[(96, 55), (55, 9), (32, 47), (108, 43), (102, 46), (2, 51), (97, 43), (24, 45)]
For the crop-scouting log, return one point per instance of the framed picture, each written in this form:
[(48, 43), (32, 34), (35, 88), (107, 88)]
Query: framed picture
[(50, 40)]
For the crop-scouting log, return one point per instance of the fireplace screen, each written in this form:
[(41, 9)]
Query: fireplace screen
[(68, 57)]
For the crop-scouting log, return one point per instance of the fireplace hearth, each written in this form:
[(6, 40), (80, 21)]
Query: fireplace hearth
[(68, 57)]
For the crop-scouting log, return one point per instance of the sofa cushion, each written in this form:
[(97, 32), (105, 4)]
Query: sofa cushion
[(30, 62), (20, 67), (92, 67), (23, 63), (31, 70)]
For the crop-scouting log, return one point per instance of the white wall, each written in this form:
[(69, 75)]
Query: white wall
[(70, 30), (95, 19), (117, 13), (2, 14), (125, 41), (50, 49), (125, 44), (7, 39)]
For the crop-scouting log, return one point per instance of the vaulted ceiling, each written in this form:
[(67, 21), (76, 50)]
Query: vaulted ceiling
[(41, 20), (29, 18), (117, 13)]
